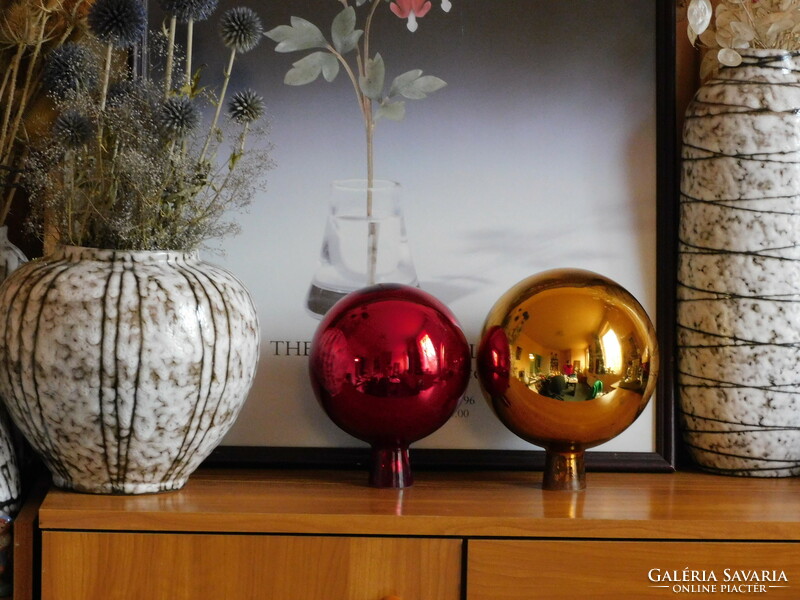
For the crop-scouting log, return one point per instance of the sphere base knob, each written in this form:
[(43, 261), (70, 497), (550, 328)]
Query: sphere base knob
[(390, 468), (564, 471)]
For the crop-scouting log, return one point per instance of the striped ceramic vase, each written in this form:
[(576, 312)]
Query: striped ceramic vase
[(125, 369), (11, 258), (739, 269)]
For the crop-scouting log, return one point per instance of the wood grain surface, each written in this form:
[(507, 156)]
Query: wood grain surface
[(117, 566), (682, 505), (605, 570)]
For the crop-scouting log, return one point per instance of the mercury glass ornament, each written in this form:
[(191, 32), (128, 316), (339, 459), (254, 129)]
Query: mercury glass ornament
[(567, 360), (389, 364)]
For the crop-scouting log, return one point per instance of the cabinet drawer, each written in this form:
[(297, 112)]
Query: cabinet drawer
[(120, 566), (554, 570)]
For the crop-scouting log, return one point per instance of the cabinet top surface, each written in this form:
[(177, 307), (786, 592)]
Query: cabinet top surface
[(505, 504)]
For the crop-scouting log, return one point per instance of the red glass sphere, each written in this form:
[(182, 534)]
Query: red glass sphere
[(389, 364)]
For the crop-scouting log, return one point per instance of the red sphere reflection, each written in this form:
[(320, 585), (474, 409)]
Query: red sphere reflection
[(389, 364)]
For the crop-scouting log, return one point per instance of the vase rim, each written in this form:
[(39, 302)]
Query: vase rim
[(767, 52), (78, 253)]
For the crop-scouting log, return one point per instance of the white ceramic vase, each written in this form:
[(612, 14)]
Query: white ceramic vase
[(125, 369), (739, 269), (11, 258)]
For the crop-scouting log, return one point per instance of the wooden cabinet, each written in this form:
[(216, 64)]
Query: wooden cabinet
[(296, 535), (556, 570), (81, 565)]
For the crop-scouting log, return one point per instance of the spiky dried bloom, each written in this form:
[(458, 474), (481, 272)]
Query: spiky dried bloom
[(246, 107), (241, 29), (73, 129), (189, 10), (118, 22), (148, 178), (68, 69), (179, 116)]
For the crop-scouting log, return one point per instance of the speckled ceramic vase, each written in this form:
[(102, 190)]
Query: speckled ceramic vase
[(739, 269), (125, 369), (11, 258)]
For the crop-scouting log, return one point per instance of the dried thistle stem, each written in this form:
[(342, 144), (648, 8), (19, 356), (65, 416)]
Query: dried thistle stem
[(13, 70), (170, 56), (189, 50), (9, 199), (26, 86), (106, 79), (220, 102), (6, 78)]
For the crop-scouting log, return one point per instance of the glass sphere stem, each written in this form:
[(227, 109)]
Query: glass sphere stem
[(390, 468), (564, 471)]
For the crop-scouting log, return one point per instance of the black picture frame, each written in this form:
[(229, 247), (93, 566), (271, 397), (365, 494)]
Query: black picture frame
[(664, 457)]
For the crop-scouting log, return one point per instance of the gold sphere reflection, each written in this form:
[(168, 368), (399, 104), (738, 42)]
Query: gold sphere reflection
[(568, 359)]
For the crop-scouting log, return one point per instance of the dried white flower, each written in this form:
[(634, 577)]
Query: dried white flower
[(699, 15), (737, 24)]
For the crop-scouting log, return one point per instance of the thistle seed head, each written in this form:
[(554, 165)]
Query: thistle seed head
[(118, 22), (179, 116), (241, 29), (69, 68), (73, 129), (245, 107)]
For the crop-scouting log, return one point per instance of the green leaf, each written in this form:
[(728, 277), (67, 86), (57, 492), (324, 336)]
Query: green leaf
[(300, 35), (345, 35), (309, 68), (234, 158), (371, 83), (415, 86), (403, 81), (429, 84), (360, 2), (330, 66), (394, 111)]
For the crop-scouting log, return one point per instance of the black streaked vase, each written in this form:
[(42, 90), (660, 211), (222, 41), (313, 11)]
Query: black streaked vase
[(125, 369), (11, 258), (739, 269)]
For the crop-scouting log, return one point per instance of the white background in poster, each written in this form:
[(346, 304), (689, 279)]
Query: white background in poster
[(540, 153)]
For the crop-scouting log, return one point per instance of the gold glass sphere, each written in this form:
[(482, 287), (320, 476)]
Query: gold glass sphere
[(567, 360)]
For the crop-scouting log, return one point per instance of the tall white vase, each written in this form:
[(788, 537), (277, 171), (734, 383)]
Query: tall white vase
[(739, 269), (125, 369)]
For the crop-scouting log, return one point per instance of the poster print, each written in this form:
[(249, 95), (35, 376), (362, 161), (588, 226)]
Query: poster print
[(539, 153)]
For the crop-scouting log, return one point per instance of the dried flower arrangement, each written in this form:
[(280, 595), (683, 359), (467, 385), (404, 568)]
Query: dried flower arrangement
[(29, 31), (726, 26), (366, 72), (127, 165)]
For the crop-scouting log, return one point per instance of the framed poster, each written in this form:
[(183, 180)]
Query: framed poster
[(552, 145)]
